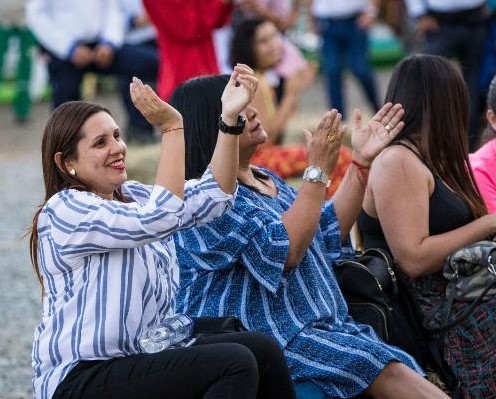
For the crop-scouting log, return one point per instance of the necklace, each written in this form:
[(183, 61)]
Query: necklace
[(250, 180)]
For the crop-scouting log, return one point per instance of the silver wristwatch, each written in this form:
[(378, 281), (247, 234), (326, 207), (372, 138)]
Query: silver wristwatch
[(314, 174)]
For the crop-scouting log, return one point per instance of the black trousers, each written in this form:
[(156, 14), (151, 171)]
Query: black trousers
[(235, 365), (129, 60), (467, 44)]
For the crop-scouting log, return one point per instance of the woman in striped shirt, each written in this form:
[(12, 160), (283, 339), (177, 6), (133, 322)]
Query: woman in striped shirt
[(102, 249), (268, 260)]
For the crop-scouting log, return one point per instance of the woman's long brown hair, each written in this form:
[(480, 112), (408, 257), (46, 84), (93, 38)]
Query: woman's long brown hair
[(436, 103), (63, 132)]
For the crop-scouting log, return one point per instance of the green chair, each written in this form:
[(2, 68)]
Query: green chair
[(18, 94)]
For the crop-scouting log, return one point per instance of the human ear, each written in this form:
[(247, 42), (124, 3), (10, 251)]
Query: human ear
[(491, 118), (62, 166)]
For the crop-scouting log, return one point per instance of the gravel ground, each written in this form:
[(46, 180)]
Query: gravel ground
[(22, 190)]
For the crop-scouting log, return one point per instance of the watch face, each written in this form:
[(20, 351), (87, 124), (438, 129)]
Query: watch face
[(313, 173)]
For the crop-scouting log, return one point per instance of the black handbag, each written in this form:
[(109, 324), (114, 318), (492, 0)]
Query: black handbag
[(378, 294), (370, 286)]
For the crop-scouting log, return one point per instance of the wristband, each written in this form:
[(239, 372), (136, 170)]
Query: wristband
[(236, 130), (359, 165), (363, 172)]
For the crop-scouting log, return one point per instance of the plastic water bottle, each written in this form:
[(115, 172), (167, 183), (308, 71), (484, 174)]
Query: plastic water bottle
[(169, 332)]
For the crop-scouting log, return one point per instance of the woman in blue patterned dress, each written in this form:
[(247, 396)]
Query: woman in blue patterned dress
[(102, 249), (440, 208), (269, 259)]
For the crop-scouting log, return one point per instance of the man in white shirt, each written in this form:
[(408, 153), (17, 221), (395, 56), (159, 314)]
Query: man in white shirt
[(82, 36), (455, 28)]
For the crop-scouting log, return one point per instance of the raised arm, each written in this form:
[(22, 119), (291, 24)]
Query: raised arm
[(170, 171), (236, 96), (367, 141), (302, 218)]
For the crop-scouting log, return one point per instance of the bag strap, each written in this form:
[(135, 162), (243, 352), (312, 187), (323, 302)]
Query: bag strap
[(388, 262), (460, 319)]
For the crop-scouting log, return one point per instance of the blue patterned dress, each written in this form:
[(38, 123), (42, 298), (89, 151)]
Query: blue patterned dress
[(234, 265)]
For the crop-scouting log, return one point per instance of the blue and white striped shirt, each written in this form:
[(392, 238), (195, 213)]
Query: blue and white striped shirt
[(109, 270)]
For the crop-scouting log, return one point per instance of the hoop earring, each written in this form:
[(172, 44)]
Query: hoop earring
[(72, 172)]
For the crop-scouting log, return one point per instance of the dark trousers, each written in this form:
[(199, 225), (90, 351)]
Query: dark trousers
[(237, 365), (344, 45), (129, 60), (466, 43)]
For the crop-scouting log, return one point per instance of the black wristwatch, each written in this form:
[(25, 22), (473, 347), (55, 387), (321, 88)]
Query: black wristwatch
[(236, 130)]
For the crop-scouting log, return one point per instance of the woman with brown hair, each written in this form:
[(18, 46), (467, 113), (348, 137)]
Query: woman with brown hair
[(101, 247), (482, 161), (258, 43), (422, 203)]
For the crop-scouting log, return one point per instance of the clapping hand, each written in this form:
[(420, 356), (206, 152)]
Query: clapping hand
[(154, 109), (82, 56), (103, 55), (323, 146), (368, 140), (238, 93)]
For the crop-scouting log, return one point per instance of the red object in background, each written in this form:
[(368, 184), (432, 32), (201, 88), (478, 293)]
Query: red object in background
[(184, 30)]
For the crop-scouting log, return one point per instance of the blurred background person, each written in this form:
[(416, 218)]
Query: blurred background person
[(483, 161), (456, 29), (284, 15), (393, 13), (258, 43), (488, 66), (140, 35), (343, 26), (185, 38), (422, 204), (88, 36)]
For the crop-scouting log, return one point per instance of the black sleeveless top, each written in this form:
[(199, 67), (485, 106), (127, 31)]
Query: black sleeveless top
[(469, 346), (447, 211)]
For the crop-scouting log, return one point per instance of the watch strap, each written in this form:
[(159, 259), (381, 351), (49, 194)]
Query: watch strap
[(236, 130), (314, 174)]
